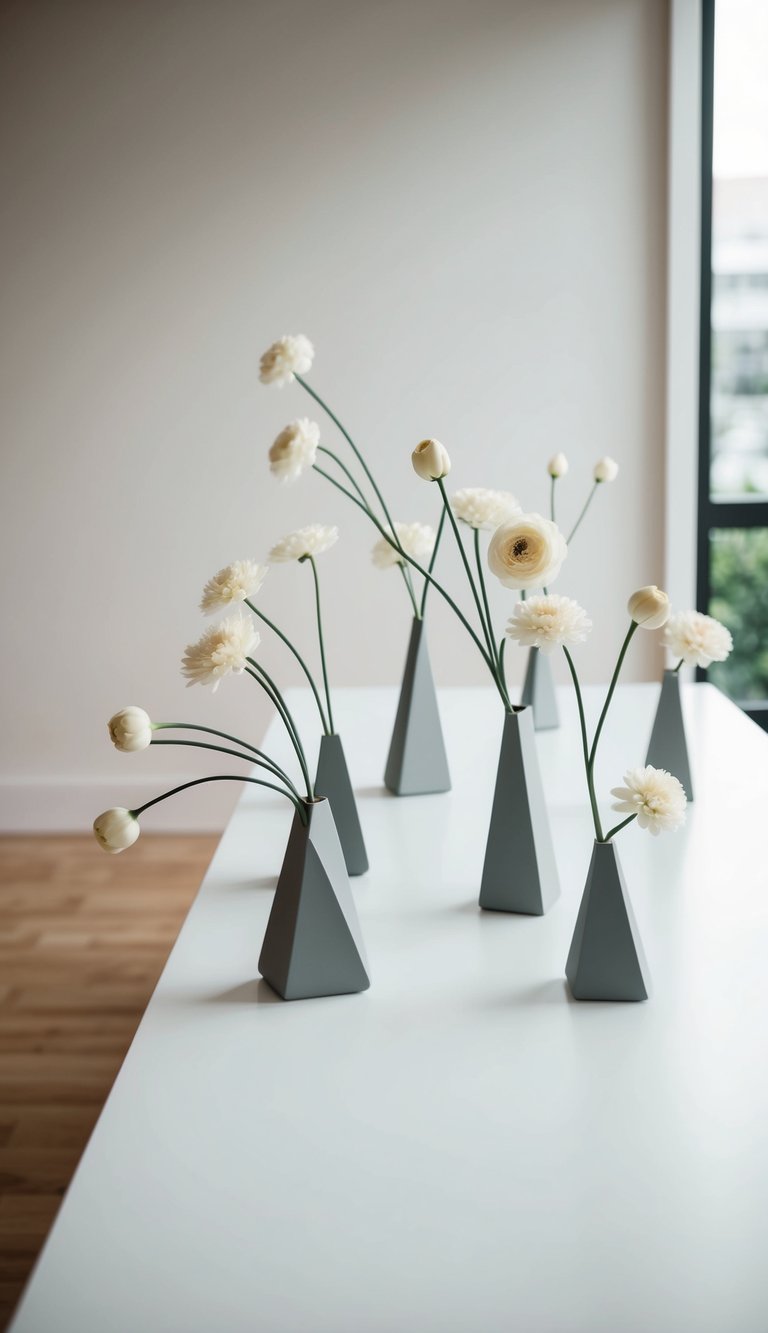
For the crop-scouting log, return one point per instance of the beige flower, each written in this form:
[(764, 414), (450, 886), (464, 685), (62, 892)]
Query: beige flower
[(527, 552), (606, 469), (233, 583), (116, 829), (655, 796), (291, 355), (649, 607), (482, 508), (416, 539), (312, 540), (557, 465), (549, 622), (222, 649), (430, 460), (295, 449), (130, 729), (697, 639)]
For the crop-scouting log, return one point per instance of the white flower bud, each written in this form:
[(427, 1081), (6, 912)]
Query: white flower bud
[(557, 466), (130, 729), (116, 829), (606, 469), (649, 607), (430, 460)]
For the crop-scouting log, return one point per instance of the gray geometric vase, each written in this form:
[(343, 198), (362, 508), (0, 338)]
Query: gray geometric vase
[(313, 945), (519, 873), (332, 780), (668, 747), (417, 764), (539, 691), (606, 959)]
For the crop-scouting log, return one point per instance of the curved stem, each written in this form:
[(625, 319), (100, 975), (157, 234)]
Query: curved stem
[(552, 499), (502, 667), (618, 827), (298, 657), (322, 449), (311, 560), (577, 524), (351, 444), (585, 747), (271, 690), (212, 731), (222, 749), (409, 589), (220, 777), (611, 688), (432, 560), (680, 663), (483, 589)]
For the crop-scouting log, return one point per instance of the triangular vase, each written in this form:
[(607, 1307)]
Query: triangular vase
[(417, 764), (606, 959), (332, 780), (313, 944), (519, 872), (539, 691), (668, 747)]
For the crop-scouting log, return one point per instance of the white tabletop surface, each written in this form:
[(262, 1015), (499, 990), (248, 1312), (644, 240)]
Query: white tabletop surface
[(462, 1148)]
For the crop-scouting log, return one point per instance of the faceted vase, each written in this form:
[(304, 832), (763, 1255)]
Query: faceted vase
[(313, 945), (519, 873), (606, 960), (332, 780), (668, 747), (539, 691), (417, 763)]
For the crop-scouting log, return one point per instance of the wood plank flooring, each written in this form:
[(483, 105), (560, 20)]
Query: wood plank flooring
[(83, 940)]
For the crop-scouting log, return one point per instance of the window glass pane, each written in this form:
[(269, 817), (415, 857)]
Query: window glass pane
[(739, 598), (739, 400)]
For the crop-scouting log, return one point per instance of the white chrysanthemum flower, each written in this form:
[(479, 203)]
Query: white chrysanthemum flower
[(483, 508), (233, 583), (116, 829), (697, 639), (416, 539), (549, 622), (655, 796), (295, 449), (130, 729), (527, 552), (291, 355), (312, 540), (222, 649)]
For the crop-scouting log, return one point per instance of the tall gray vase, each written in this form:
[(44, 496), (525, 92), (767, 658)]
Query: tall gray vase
[(417, 764), (539, 691), (519, 872), (668, 747), (606, 959), (332, 780), (313, 944)]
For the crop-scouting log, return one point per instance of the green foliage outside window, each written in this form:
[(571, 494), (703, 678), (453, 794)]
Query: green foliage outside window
[(739, 580)]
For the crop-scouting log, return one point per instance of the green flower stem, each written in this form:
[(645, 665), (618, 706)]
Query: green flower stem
[(467, 568), (552, 499), (502, 667), (432, 559), (585, 747), (484, 593), (311, 560), (270, 689), (409, 589), (611, 688), (298, 657), (577, 524), (223, 777), (351, 444), (618, 827), (224, 735), (223, 749), (322, 449), (680, 663)]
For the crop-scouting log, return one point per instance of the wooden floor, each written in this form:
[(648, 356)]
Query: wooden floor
[(83, 939)]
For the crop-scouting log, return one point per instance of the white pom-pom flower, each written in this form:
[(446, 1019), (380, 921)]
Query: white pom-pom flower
[(130, 729), (233, 583), (696, 639), (527, 552), (606, 469), (548, 623), (295, 449), (557, 465), (655, 796), (291, 355), (312, 540), (482, 508), (116, 829), (222, 649), (416, 539)]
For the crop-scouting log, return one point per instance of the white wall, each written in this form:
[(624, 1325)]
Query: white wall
[(462, 202)]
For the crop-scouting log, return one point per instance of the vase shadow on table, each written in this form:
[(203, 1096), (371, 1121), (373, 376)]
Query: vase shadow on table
[(552, 992), (257, 991)]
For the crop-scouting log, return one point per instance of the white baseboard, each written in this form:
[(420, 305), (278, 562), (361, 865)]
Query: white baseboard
[(63, 805)]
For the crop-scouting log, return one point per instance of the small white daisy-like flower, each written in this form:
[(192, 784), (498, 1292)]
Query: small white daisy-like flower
[(222, 649), (697, 639), (655, 796), (291, 355), (482, 508), (312, 540), (295, 449), (416, 539), (549, 622), (233, 583)]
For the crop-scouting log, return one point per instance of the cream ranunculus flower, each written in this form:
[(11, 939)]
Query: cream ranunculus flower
[(222, 649), (483, 508), (233, 583), (549, 622), (291, 355), (312, 540), (430, 460), (557, 465), (606, 469), (649, 607), (116, 829), (295, 449), (655, 796), (416, 539), (527, 552), (697, 639), (130, 729)]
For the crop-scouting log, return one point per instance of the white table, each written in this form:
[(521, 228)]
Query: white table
[(461, 1149)]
